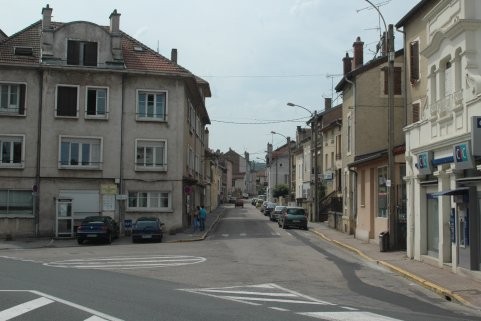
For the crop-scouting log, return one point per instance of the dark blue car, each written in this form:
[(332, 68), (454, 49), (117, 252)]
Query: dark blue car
[(147, 229)]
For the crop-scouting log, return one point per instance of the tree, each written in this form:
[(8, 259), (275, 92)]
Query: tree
[(281, 190)]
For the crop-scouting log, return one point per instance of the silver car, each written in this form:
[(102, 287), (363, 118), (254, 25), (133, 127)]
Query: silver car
[(277, 212)]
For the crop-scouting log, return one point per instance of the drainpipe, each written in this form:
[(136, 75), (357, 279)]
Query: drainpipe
[(354, 196), (36, 189), (121, 157)]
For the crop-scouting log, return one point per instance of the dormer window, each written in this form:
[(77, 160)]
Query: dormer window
[(81, 53)]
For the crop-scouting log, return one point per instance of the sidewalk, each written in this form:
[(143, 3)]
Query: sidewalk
[(452, 286), (182, 236)]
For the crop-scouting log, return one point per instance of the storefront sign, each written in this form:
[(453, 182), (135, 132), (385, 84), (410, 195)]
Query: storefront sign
[(462, 156), (424, 163), (476, 135)]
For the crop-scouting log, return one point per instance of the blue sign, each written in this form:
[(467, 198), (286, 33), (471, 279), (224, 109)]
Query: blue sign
[(478, 122), (424, 163)]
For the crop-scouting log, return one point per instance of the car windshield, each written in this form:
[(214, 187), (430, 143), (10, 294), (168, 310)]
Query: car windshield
[(279, 208), (142, 224), (94, 219), (295, 211)]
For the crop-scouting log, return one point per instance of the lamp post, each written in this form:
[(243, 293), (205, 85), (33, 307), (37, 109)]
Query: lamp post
[(289, 182), (313, 122), (389, 43)]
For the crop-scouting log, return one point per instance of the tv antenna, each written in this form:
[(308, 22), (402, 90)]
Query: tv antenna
[(379, 4), (332, 76)]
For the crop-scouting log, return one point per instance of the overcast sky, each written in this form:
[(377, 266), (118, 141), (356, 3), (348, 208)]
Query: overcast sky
[(257, 55)]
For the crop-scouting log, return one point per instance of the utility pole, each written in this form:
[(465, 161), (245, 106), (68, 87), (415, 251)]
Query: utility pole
[(392, 215)]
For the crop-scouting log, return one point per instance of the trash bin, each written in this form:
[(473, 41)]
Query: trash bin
[(384, 241)]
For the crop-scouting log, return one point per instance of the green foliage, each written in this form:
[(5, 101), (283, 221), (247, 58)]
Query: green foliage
[(281, 190)]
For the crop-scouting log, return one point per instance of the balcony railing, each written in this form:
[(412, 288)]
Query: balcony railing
[(447, 104)]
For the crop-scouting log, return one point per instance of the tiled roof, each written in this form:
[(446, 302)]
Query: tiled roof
[(136, 60), (28, 37)]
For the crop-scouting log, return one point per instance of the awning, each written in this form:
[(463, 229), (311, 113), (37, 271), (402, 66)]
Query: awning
[(457, 191)]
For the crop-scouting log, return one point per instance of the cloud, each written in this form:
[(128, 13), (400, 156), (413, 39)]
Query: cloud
[(302, 6)]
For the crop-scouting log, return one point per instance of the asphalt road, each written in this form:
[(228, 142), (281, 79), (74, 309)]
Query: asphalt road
[(247, 269)]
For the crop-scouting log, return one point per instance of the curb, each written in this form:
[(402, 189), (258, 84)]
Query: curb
[(203, 236), (447, 294)]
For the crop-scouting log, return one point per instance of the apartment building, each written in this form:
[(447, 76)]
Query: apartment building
[(93, 122), (443, 133)]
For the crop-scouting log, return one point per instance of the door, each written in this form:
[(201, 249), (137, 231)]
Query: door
[(64, 221), (432, 226)]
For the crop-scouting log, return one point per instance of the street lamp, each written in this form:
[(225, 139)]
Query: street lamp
[(289, 182), (313, 122)]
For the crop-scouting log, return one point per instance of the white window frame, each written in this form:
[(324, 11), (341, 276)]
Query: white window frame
[(12, 139), (56, 101), (92, 163), (139, 117), (106, 111), (13, 109), (151, 143), (152, 201)]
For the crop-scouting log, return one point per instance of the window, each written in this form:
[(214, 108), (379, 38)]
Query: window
[(152, 105), (397, 81), (349, 134), (81, 53), (11, 151), (382, 192), (12, 99), (16, 202), (80, 152), (151, 155), (67, 101), (97, 101), (149, 200)]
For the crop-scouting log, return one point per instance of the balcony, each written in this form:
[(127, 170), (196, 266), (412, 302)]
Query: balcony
[(446, 105)]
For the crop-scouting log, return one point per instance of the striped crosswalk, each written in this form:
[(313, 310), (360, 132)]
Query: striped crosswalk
[(72, 312), (281, 299)]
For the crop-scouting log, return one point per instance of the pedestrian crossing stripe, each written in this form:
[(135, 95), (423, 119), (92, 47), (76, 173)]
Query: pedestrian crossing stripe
[(45, 299), (347, 316)]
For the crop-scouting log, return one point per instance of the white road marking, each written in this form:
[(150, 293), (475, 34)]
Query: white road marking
[(279, 309), (45, 298), (242, 234), (348, 316), (23, 308), (125, 263)]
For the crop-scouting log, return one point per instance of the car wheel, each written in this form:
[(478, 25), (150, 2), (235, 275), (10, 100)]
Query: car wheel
[(80, 241)]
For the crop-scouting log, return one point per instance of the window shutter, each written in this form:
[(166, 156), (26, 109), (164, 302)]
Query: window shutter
[(414, 61), (397, 80), (67, 101), (91, 102), (415, 112), (21, 107), (73, 50), (90, 54)]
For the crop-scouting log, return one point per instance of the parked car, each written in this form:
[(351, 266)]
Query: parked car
[(263, 206), (147, 229), (239, 202), (277, 212), (293, 217), (231, 199), (103, 228), (269, 208)]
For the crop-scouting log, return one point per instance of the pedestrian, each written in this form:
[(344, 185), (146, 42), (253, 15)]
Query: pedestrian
[(202, 217), (195, 219)]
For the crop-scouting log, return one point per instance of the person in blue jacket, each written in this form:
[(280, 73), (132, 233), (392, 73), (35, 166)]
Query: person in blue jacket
[(202, 217)]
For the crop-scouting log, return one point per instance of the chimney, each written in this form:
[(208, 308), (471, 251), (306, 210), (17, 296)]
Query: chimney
[(114, 22), (358, 47), (46, 17), (173, 55), (327, 103), (347, 64)]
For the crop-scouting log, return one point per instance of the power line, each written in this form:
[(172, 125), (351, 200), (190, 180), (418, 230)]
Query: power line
[(261, 122), (262, 76)]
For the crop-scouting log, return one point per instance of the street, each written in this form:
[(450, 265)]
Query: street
[(247, 269)]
